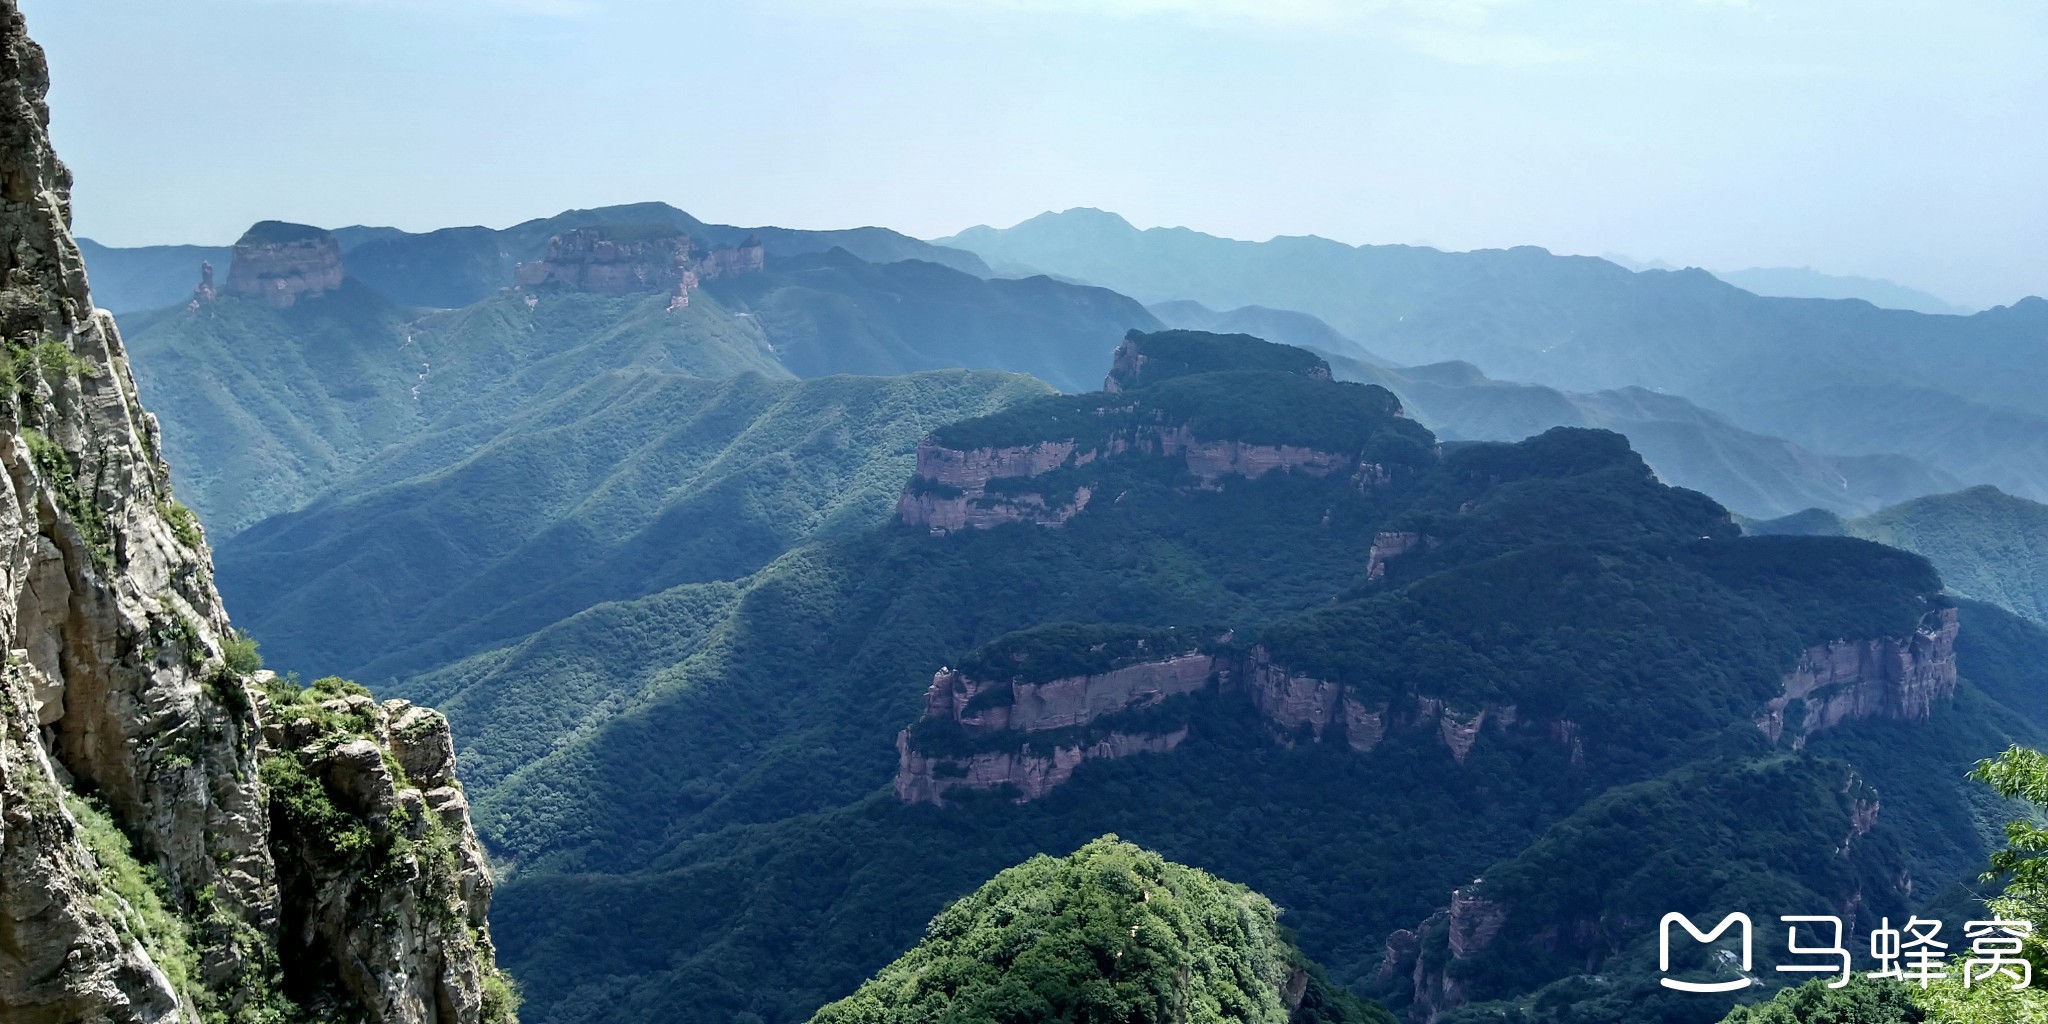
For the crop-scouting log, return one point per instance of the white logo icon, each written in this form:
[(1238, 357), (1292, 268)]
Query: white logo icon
[(1664, 952)]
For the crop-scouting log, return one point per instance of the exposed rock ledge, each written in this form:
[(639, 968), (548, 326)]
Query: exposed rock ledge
[(281, 263), (1011, 721), (1847, 680), (951, 487)]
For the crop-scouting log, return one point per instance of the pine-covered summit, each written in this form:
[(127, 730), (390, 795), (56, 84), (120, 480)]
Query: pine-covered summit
[(1111, 933)]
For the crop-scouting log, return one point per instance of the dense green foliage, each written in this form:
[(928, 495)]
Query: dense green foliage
[(1170, 354), (1256, 407), (132, 895), (1111, 933), (833, 313), (62, 477), (1060, 650), (1566, 582), (627, 486), (1862, 1002), (1761, 836), (1988, 545), (708, 763)]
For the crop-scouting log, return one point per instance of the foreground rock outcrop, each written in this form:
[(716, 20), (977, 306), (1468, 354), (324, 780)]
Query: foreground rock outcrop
[(157, 814)]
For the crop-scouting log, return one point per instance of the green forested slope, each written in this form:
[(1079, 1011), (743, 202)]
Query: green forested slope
[(1112, 932), (1989, 545), (762, 867), (264, 408), (834, 313), (629, 484)]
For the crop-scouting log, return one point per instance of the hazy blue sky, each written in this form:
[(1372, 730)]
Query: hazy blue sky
[(1875, 137)]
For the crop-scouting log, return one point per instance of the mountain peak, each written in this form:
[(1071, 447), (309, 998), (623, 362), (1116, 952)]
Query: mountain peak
[(280, 262), (1145, 359), (1112, 932)]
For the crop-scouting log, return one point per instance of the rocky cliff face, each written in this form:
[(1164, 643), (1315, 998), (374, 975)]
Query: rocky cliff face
[(1034, 735), (1846, 680), (977, 488), (950, 490), (282, 263), (622, 260), (604, 261), (148, 834)]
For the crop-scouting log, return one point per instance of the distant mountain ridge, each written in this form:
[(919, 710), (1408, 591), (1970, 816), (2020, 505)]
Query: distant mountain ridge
[(1808, 283), (1989, 545), (295, 371), (1688, 446), (457, 266), (1583, 324)]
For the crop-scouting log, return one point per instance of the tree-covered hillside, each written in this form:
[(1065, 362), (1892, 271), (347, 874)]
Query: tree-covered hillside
[(1609, 642), (1989, 545), (626, 485), (265, 408), (833, 313), (1109, 933)]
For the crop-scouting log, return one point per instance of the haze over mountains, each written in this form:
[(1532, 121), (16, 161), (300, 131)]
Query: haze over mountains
[(1863, 444), (626, 495), (1835, 377)]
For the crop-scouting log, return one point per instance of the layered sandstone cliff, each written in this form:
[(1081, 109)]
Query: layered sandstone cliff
[(281, 263), (145, 866), (977, 488), (625, 259), (1846, 680), (1034, 735)]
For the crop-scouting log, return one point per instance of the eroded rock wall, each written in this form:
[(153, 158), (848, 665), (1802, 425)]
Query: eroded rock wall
[(281, 273), (1899, 678)]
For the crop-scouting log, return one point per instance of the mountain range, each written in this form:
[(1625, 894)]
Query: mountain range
[(1838, 377), (648, 484), (820, 312), (1298, 627), (272, 403)]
